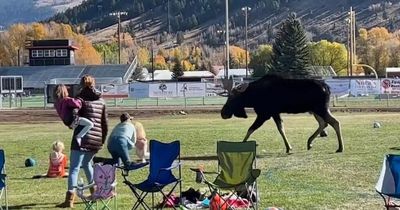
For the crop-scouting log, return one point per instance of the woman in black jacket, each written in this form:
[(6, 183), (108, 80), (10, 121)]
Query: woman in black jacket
[(94, 109)]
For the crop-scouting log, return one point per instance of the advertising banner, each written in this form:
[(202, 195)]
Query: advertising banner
[(162, 90), (339, 87), (364, 87), (138, 90), (115, 91), (191, 89), (390, 86)]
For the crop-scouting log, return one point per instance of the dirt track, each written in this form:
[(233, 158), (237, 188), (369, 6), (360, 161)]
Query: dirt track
[(35, 115)]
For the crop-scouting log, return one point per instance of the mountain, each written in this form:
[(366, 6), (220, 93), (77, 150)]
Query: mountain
[(25, 11), (200, 20)]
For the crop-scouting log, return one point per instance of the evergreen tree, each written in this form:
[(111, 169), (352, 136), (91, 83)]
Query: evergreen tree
[(177, 70), (290, 52)]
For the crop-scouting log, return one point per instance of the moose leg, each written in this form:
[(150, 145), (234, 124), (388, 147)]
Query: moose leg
[(256, 124), (279, 125), (321, 126), (336, 125)]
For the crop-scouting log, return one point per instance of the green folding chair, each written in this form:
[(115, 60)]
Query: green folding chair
[(236, 174)]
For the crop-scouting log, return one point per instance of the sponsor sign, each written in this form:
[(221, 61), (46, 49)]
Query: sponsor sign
[(364, 87), (115, 91), (138, 90), (162, 90), (191, 89), (339, 87), (390, 86)]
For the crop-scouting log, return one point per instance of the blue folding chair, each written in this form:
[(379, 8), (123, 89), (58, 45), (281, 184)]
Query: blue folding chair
[(163, 158), (3, 183), (388, 185)]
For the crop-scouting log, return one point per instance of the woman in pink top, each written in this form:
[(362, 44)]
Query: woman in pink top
[(67, 108)]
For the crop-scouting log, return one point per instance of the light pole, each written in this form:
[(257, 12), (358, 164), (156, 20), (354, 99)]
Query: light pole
[(226, 38), (246, 9), (118, 14), (219, 32)]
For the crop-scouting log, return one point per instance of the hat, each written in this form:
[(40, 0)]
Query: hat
[(125, 116)]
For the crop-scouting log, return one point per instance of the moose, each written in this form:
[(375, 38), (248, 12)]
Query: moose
[(272, 95)]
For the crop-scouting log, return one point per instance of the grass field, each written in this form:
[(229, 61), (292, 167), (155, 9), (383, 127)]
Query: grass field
[(315, 179)]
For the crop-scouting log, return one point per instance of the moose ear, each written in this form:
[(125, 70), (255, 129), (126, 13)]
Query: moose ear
[(228, 84), (242, 87)]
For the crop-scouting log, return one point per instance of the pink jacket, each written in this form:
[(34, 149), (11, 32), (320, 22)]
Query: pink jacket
[(65, 107)]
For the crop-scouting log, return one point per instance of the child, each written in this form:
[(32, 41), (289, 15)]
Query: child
[(58, 161), (67, 108), (141, 142)]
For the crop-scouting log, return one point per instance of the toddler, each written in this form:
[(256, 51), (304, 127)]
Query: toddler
[(58, 161), (67, 108)]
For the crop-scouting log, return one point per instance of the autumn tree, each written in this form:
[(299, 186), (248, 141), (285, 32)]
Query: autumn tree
[(325, 53), (376, 47), (13, 41), (260, 59), (290, 56)]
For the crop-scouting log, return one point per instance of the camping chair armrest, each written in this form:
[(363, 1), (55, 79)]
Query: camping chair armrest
[(200, 175), (204, 172), (132, 166)]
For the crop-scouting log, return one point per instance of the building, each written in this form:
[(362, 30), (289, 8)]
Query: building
[(51, 52), (392, 72)]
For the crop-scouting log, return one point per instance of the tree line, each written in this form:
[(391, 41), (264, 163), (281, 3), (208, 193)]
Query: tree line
[(376, 47)]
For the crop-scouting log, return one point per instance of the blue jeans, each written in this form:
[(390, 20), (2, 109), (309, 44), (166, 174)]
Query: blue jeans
[(78, 159), (119, 149)]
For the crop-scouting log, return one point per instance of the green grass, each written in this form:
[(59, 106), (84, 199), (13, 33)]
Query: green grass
[(315, 179)]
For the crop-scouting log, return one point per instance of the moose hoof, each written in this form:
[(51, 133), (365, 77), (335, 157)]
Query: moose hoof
[(288, 150), (339, 150), (309, 146)]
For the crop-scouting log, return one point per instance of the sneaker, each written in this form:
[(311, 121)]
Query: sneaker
[(79, 140)]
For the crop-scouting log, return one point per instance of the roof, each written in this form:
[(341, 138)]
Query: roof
[(323, 71), (233, 72), (393, 69), (167, 74), (71, 47), (36, 76)]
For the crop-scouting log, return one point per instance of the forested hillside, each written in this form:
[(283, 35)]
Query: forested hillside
[(203, 18)]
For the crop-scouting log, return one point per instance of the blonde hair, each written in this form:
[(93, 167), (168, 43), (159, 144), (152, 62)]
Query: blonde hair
[(140, 132), (60, 91), (87, 81), (58, 146)]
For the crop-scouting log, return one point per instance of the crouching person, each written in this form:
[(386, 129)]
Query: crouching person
[(122, 139)]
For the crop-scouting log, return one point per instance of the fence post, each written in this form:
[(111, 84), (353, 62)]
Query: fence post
[(204, 103), (387, 100), (45, 96), (136, 103)]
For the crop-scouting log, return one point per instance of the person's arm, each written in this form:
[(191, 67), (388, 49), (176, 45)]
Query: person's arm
[(104, 123), (74, 103)]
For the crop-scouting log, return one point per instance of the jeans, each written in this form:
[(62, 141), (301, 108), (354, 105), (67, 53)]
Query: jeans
[(119, 150), (78, 159)]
